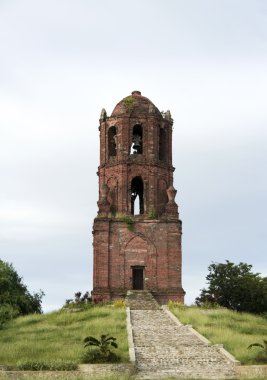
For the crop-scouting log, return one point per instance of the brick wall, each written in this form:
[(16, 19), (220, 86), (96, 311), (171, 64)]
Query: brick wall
[(154, 244)]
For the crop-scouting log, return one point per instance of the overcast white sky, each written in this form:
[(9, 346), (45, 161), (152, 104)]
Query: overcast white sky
[(62, 61)]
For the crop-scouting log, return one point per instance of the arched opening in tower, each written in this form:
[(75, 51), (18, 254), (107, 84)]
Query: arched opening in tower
[(112, 142), (137, 141), (137, 196), (162, 144)]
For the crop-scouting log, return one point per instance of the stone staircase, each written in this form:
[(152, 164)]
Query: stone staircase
[(165, 348), (141, 300)]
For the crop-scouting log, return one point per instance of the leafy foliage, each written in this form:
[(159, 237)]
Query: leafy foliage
[(129, 102), (15, 299), (129, 221), (263, 347), (152, 214), (102, 353), (235, 287), (80, 302), (7, 312), (95, 356), (103, 344)]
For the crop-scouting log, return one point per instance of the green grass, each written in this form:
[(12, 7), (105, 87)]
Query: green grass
[(58, 336), (78, 377), (236, 331)]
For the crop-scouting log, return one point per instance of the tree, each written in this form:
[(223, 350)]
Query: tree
[(235, 287), (7, 312), (14, 294)]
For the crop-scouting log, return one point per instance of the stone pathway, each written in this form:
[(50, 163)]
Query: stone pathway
[(165, 348)]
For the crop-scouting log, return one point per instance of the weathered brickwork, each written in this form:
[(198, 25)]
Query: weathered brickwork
[(137, 233)]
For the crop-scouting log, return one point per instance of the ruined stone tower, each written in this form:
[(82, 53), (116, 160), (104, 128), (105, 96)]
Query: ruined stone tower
[(137, 233)]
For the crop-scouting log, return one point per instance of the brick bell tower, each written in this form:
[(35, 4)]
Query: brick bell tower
[(137, 233)]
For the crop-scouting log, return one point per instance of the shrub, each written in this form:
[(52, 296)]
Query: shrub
[(119, 303), (102, 353), (7, 312), (262, 355), (129, 221), (103, 344), (152, 214), (79, 303), (77, 306), (93, 356), (129, 102), (15, 293)]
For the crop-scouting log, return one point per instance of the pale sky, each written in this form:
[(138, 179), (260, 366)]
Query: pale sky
[(62, 61)]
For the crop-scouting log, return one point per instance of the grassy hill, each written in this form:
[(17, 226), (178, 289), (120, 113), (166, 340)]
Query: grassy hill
[(236, 331), (58, 336)]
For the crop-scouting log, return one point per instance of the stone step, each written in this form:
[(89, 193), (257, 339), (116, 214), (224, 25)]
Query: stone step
[(141, 300), (164, 348)]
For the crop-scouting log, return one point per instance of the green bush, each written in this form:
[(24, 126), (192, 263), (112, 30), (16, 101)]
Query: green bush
[(15, 293), (47, 366), (235, 287), (129, 102), (262, 355), (152, 214), (7, 312), (79, 303), (102, 353), (81, 306), (94, 356), (127, 219)]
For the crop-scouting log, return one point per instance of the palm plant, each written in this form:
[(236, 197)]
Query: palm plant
[(103, 344), (263, 346)]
